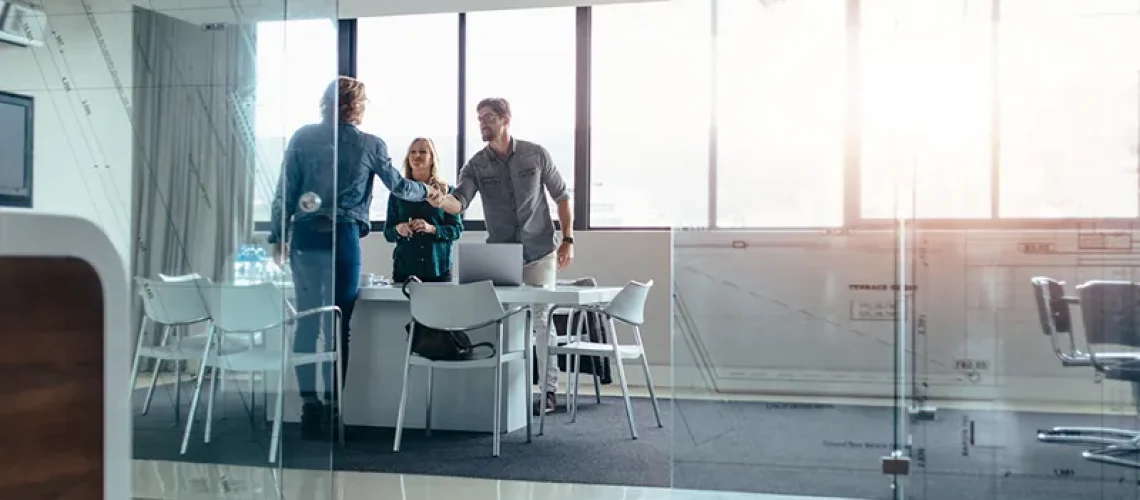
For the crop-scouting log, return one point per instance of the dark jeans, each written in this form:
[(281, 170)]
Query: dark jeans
[(322, 278), (399, 278)]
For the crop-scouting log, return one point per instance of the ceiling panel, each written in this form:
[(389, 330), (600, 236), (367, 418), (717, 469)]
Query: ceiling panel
[(211, 11)]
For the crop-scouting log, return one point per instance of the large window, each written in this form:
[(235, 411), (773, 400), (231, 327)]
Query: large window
[(526, 57), (296, 60), (742, 114), (926, 109), (409, 64), (1070, 99), (780, 94), (649, 153)]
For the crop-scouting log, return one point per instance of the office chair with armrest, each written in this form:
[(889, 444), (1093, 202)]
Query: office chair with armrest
[(1053, 311), (1110, 311), (1055, 314)]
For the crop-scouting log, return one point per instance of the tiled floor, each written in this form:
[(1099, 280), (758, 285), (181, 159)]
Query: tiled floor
[(183, 481)]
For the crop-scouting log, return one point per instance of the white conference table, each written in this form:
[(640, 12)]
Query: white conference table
[(462, 399)]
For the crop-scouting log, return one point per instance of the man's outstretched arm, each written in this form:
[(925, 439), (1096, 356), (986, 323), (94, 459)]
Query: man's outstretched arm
[(460, 198)]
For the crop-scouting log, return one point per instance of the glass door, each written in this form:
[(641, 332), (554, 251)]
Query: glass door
[(234, 123)]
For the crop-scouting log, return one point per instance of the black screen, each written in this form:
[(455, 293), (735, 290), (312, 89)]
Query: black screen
[(15, 149)]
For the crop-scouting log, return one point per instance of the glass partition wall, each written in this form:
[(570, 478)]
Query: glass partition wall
[(923, 330), (234, 131), (785, 340), (885, 237)]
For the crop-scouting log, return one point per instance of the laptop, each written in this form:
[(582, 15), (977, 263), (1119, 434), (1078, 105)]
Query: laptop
[(500, 263)]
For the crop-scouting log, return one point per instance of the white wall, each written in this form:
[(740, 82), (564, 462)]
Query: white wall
[(83, 135), (778, 313)]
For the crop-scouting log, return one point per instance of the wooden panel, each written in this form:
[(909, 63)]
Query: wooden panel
[(51, 368)]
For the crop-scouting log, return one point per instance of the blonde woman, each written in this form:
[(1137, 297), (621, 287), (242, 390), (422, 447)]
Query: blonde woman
[(423, 234)]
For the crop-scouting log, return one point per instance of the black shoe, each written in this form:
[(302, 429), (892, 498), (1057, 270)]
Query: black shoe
[(547, 404), (312, 418)]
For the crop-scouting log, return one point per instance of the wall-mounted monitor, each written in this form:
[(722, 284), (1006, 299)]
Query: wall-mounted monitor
[(16, 127)]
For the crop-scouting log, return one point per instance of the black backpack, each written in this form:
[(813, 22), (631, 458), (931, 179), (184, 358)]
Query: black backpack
[(441, 345)]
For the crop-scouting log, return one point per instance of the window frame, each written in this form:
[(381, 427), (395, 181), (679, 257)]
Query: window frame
[(853, 218)]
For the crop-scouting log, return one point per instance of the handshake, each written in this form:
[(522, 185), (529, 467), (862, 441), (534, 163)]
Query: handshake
[(436, 193)]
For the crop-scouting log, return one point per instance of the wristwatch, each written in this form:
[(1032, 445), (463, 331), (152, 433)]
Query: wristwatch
[(568, 239)]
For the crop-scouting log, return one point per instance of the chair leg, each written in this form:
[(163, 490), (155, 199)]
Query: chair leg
[(197, 389), (427, 417), (624, 387), (527, 370), (153, 385), (577, 381), (138, 359), (576, 372), (278, 410), (576, 369), (178, 384), (403, 397), (210, 404), (253, 400), (649, 383), (1114, 454), (138, 350), (264, 398), (193, 407), (498, 408), (570, 337), (222, 387), (597, 381)]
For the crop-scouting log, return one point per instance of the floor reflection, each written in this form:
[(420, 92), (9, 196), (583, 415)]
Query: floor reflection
[(155, 480)]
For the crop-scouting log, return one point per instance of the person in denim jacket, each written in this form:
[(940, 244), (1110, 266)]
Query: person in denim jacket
[(322, 202)]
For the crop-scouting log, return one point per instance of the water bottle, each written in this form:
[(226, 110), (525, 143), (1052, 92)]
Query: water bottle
[(241, 263), (260, 263)]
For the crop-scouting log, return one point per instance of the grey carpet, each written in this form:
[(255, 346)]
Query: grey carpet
[(818, 450)]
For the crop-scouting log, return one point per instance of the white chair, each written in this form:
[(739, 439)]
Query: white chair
[(463, 308), (175, 304), (253, 340), (259, 308), (572, 316), (627, 307)]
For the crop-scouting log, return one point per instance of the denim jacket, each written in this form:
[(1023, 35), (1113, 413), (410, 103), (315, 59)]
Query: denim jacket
[(313, 153)]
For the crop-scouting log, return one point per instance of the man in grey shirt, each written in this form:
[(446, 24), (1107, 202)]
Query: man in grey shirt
[(512, 175)]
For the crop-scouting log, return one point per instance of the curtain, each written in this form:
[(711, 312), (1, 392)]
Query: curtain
[(194, 151)]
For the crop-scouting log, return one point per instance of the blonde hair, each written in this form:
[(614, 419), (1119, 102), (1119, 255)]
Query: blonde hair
[(433, 172), (345, 96)]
